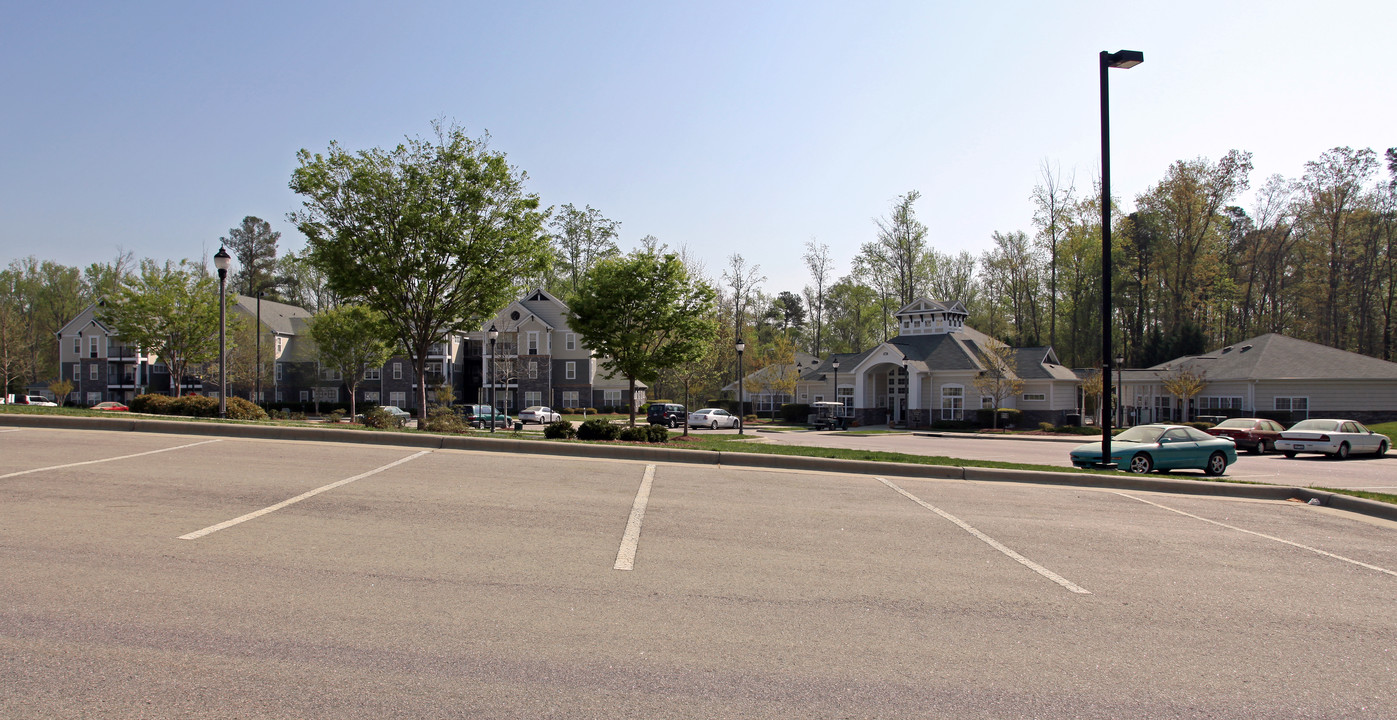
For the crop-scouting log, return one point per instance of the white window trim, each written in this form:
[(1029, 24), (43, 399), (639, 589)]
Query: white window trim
[(570, 370), (570, 342), (1035, 397)]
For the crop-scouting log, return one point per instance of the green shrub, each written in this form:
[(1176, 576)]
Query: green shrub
[(152, 403), (560, 430), (597, 429), (241, 409), (1199, 425), (194, 406), (656, 434), (379, 418), (1046, 426), (334, 416), (795, 412), (444, 419), (634, 434)]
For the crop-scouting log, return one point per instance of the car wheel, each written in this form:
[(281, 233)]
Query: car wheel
[(1289, 454), (1342, 454), (1260, 448), (673, 423), (1382, 448), (1141, 463), (1217, 464)]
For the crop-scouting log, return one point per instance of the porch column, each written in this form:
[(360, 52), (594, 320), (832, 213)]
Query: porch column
[(914, 390)]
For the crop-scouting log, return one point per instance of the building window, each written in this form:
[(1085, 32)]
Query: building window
[(1220, 403), (533, 369), (434, 367), (305, 396), (77, 372), (330, 374), (280, 396), (952, 402), (77, 345), (845, 395), (327, 394), (1293, 404), (532, 398), (397, 371), (278, 373), (533, 342), (1035, 397), (92, 351), (570, 370), (93, 398), (160, 368), (372, 373), (611, 397), (92, 374), (570, 399), (397, 399), (280, 343), (571, 341), (371, 396)]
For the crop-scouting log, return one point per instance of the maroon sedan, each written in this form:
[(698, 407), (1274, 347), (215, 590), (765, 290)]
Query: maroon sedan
[(1257, 435)]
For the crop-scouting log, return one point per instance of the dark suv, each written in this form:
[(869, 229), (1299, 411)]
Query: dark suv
[(667, 414)]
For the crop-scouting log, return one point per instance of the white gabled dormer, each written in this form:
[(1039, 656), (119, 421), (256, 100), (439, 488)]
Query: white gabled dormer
[(929, 317)]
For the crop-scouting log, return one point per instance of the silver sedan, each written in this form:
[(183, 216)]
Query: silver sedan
[(539, 414), (1335, 438), (712, 418)]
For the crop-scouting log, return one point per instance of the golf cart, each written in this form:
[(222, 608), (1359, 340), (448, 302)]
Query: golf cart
[(826, 416)]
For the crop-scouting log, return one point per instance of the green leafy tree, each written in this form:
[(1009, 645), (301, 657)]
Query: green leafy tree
[(15, 359), (349, 339), (582, 238), (643, 313), (998, 379), (61, 389), (170, 311), (1184, 382), (253, 244), (434, 234)]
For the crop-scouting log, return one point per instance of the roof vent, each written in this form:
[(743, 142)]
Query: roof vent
[(1227, 349), (1246, 348)]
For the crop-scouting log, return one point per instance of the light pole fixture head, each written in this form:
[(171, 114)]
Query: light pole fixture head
[(492, 333), (222, 260), (741, 346), (1120, 360), (1123, 59), (835, 364)]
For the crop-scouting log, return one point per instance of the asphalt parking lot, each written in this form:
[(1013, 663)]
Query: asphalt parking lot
[(155, 575)]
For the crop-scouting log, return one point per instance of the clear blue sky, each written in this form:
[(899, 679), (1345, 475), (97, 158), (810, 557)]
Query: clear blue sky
[(725, 126)]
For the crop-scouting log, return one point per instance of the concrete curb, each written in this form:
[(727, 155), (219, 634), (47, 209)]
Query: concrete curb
[(1337, 501)]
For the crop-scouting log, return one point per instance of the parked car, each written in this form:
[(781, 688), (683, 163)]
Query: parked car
[(539, 414), (667, 414), (110, 407), (1335, 438), (37, 400), (1256, 435), (1145, 448), (480, 416), (712, 418)]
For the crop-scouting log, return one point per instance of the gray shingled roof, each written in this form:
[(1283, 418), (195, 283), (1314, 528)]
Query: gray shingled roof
[(549, 309), (277, 316), (1277, 357)]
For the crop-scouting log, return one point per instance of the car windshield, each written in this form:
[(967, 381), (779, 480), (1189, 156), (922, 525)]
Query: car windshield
[(1235, 423), (1321, 425), (1141, 434)]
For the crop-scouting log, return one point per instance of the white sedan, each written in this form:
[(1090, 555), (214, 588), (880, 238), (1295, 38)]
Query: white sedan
[(539, 414), (712, 418), (1335, 438)]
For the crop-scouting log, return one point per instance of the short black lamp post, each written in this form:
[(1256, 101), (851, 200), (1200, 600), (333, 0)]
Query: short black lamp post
[(221, 260), (492, 333), (258, 391), (1119, 59), (741, 407), (835, 365), (1120, 387)]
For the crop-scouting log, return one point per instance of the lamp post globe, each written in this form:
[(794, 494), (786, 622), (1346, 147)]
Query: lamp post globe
[(1123, 59), (222, 260)]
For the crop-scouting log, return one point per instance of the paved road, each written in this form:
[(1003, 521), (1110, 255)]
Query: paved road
[(453, 584), (1358, 472)]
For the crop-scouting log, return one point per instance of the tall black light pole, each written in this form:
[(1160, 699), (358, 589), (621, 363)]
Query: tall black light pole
[(836, 388), (221, 261), (1119, 59), (258, 391), (741, 408), (490, 369)]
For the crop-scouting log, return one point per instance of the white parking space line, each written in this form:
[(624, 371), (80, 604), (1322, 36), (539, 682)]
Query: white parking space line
[(1260, 535), (5, 430), (311, 493), (625, 557), (110, 459), (1035, 567)]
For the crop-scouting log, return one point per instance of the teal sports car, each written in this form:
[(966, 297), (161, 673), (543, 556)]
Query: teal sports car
[(1146, 448)]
